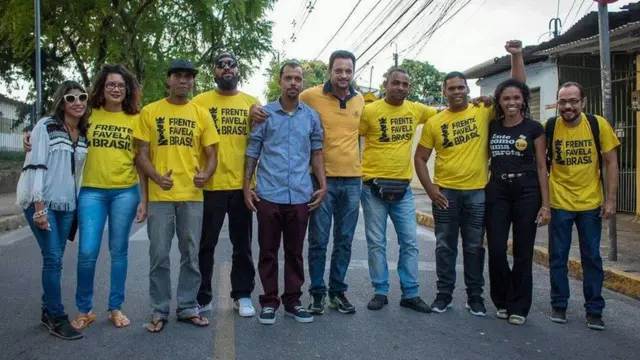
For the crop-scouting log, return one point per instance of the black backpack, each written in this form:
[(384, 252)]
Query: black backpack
[(595, 130)]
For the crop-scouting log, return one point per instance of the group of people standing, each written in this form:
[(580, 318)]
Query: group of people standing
[(184, 165)]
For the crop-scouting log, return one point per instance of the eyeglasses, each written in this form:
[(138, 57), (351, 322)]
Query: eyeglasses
[(110, 86), (573, 102), (220, 64), (70, 98)]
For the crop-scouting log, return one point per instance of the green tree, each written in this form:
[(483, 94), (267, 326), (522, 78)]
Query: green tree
[(426, 80), (79, 36), (315, 73)]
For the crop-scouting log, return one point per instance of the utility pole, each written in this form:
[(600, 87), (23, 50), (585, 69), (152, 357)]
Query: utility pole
[(370, 77), (607, 110), (38, 65), (395, 55), (557, 24)]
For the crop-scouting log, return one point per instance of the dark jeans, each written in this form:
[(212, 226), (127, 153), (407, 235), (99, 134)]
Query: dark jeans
[(342, 203), (288, 222), (589, 226), (464, 216), (516, 203), (217, 204)]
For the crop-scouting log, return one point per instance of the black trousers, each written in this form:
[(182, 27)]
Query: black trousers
[(512, 203), (217, 204)]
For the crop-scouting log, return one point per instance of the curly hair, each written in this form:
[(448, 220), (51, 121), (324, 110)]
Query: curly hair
[(131, 102), (57, 108), (524, 91)]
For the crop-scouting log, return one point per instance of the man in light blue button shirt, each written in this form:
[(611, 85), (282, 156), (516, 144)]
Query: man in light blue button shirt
[(284, 196)]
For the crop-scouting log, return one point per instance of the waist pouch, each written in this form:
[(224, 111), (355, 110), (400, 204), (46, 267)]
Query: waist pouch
[(391, 190)]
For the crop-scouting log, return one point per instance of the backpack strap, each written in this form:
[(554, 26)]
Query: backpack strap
[(549, 129), (595, 131)]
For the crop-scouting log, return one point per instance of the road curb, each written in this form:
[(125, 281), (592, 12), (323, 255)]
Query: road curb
[(11, 222), (614, 279)]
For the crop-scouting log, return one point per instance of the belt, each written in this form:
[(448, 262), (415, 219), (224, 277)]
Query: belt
[(507, 176)]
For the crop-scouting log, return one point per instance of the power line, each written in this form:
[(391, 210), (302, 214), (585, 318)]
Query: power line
[(367, 16), (310, 7), (340, 28), (578, 11), (369, 31), (381, 35), (569, 13)]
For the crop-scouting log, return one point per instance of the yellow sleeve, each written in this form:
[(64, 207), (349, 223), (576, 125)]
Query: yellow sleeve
[(305, 97), (141, 127), (425, 113), (608, 138), (209, 133), (364, 122), (427, 138)]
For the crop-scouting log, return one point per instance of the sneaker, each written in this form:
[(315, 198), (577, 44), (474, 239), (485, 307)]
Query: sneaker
[(244, 306), (502, 314), (441, 303), (61, 327), (45, 320), (595, 322), (517, 319), (317, 305), (267, 316), (558, 315), (475, 304), (416, 304), (204, 308), (340, 303), (377, 302), (300, 314)]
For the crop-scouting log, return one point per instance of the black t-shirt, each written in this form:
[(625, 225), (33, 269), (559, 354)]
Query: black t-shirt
[(512, 149)]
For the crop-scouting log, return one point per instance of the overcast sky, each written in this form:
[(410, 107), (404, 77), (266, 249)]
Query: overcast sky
[(477, 33)]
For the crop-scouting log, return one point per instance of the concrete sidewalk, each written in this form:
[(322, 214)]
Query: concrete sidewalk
[(622, 276), (11, 216)]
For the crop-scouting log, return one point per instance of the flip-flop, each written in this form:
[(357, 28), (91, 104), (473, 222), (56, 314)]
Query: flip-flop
[(189, 320), (155, 322), (119, 320), (85, 319)]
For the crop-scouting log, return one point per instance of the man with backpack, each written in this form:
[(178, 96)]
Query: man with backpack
[(579, 147)]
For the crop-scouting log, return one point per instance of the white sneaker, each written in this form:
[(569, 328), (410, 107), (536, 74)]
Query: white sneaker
[(245, 307)]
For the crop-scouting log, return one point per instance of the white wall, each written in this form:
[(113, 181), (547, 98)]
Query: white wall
[(543, 75), (8, 115)]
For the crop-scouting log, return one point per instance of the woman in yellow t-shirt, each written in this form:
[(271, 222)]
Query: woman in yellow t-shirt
[(109, 189)]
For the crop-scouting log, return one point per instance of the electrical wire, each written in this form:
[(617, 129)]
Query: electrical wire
[(339, 28)]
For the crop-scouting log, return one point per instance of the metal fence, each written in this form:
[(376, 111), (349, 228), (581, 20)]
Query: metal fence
[(11, 142), (586, 71)]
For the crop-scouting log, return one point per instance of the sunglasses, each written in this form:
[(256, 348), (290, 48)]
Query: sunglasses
[(70, 98), (220, 64)]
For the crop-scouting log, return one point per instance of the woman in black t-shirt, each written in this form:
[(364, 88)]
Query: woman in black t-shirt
[(517, 195)]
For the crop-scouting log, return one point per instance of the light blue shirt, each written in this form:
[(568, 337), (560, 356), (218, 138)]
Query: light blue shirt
[(283, 144)]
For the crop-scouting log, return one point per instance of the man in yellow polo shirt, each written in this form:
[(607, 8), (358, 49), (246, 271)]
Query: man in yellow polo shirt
[(171, 135), (460, 136), (579, 146), (339, 107), (388, 127), (223, 194)]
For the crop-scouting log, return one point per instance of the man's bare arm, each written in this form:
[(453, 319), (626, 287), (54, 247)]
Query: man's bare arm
[(212, 160), (420, 159), (250, 164), (143, 160), (611, 169)]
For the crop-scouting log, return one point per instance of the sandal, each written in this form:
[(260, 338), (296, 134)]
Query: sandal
[(156, 325), (119, 320), (82, 321), (202, 321)]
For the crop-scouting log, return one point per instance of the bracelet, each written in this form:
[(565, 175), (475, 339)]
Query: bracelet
[(544, 208), (39, 214)]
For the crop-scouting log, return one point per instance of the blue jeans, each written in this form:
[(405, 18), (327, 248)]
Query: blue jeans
[(52, 244), (464, 216), (403, 215), (342, 203), (589, 226), (94, 206)]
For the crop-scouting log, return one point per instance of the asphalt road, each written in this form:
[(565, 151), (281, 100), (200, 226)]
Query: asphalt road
[(392, 333)]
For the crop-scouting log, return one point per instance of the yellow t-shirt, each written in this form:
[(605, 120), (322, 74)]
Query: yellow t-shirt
[(109, 162), (231, 118), (574, 182), (461, 143), (177, 135), (340, 121), (388, 133)]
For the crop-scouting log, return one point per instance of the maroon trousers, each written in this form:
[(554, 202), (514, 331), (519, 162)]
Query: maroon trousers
[(290, 223)]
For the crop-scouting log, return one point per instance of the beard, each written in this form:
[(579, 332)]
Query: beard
[(227, 84)]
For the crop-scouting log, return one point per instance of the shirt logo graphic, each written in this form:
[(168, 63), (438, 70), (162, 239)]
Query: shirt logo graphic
[(214, 114), (557, 149), (384, 136), (162, 141), (521, 143), (446, 142)]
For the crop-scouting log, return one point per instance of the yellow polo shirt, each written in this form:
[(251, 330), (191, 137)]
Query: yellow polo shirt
[(340, 120)]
